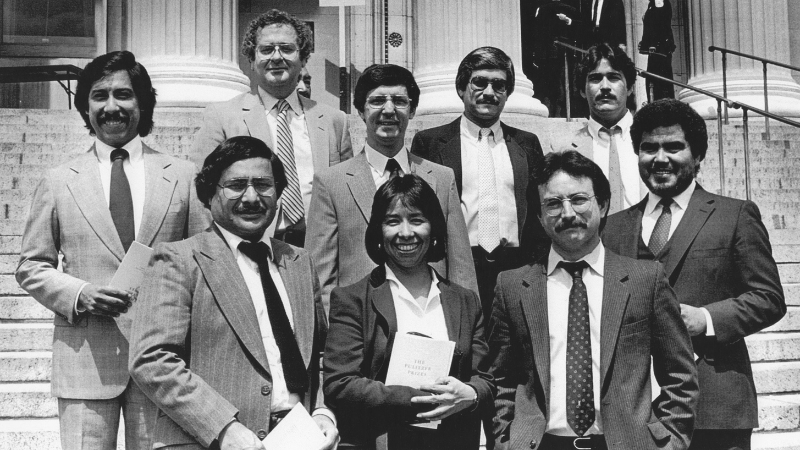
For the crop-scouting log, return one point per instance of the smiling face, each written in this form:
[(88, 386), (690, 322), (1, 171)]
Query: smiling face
[(406, 237), (666, 163), (114, 109), (574, 235), (483, 106), (277, 73), (386, 126), (607, 93), (249, 215)]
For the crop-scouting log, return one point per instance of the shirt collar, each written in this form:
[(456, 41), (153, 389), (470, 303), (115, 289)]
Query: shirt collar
[(378, 160), (403, 292), (471, 130), (133, 147), (624, 124), (682, 199), (234, 241), (596, 260), (269, 101)]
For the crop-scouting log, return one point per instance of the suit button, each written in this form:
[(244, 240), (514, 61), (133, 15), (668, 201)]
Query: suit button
[(265, 390), (533, 444), (261, 434)]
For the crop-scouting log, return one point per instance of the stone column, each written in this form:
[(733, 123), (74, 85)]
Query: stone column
[(190, 49), (446, 30), (756, 27)]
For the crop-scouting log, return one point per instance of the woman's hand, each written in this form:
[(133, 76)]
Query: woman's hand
[(452, 396)]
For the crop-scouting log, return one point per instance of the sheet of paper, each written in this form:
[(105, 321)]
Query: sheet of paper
[(297, 431), (130, 273)]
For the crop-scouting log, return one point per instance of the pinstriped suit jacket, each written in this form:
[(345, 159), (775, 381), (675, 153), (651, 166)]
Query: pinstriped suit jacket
[(196, 347), (69, 216), (640, 318)]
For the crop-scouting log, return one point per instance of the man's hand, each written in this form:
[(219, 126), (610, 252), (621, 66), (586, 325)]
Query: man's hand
[(104, 300), (329, 430), (694, 319), (564, 18), (238, 437), (450, 393)]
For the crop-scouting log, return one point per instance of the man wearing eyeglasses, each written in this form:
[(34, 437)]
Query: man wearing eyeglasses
[(386, 96), (308, 136), (230, 331), (576, 330), (493, 164)]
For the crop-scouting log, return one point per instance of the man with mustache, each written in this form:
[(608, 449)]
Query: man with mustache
[(573, 334), (605, 78), (386, 96), (493, 163), (307, 136), (718, 258), (89, 211)]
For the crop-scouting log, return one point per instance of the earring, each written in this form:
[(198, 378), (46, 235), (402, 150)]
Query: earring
[(380, 246), (434, 242)]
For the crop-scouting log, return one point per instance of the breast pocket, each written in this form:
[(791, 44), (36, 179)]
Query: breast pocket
[(635, 327)]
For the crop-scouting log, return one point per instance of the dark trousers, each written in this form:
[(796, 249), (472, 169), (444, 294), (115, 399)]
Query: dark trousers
[(488, 265), (721, 439)]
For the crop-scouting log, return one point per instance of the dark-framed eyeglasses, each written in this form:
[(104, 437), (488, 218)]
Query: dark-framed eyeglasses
[(233, 189), (285, 50), (379, 101), (480, 83), (554, 206)]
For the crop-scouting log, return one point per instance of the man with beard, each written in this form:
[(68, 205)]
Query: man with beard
[(718, 258), (89, 211), (605, 78)]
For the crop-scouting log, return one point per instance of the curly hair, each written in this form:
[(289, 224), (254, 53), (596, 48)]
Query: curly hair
[(305, 39), (667, 112)]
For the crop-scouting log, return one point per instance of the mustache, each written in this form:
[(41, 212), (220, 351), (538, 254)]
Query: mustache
[(250, 209), (567, 224), (115, 116), (608, 96), (488, 101)]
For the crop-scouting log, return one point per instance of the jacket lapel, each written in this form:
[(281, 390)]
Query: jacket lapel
[(423, 168), (451, 306), (533, 302), (700, 208), (302, 309), (159, 187), (451, 151), (383, 303), (87, 191), (255, 118), (361, 185), (615, 301), (519, 165), (318, 135), (631, 230)]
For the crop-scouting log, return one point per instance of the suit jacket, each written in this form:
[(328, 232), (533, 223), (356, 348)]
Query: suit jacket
[(69, 216), (363, 323), (196, 348), (244, 115), (442, 145), (640, 318), (719, 258), (340, 210), (613, 26)]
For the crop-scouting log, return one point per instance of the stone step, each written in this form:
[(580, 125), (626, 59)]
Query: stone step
[(789, 272), (25, 366), (776, 441), (776, 377), (791, 292), (20, 337), (789, 322), (779, 412), (9, 286), (23, 309), (29, 434), (774, 346), (26, 400)]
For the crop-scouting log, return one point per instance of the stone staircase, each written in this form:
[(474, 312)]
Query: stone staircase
[(33, 140)]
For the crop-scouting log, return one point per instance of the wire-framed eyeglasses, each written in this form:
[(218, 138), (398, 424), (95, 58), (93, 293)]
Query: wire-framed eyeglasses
[(285, 50), (233, 189), (480, 83), (379, 101), (554, 206)]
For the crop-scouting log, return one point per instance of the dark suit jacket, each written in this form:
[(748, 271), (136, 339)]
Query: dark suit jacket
[(720, 258), (613, 26), (442, 145), (196, 348), (363, 320), (640, 318)]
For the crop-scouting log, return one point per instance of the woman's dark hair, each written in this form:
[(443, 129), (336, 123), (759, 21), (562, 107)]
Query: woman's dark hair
[(228, 152), (412, 192)]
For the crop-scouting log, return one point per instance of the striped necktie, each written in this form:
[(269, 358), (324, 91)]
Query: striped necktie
[(291, 199)]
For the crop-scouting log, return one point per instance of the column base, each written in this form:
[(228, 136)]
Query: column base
[(745, 87), (193, 81)]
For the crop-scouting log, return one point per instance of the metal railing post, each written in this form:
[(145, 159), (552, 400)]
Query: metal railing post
[(721, 146), (725, 82), (766, 99), (746, 154), (567, 92)]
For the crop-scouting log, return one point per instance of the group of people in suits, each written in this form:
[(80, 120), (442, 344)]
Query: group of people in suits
[(286, 266)]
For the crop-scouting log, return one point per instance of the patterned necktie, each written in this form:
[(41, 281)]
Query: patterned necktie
[(580, 391), (614, 171), (120, 201), (660, 234), (294, 370), (488, 213), (291, 200), (393, 167)]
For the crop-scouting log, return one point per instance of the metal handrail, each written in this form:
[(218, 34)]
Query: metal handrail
[(28, 74), (566, 47)]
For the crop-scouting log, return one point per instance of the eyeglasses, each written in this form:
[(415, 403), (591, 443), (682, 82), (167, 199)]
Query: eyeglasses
[(379, 101), (233, 189), (554, 206), (285, 50), (480, 83)]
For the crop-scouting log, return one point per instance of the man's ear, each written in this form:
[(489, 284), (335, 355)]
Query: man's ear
[(361, 114), (411, 114)]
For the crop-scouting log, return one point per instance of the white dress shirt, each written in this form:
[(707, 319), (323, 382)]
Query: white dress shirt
[(425, 317), (628, 160), (559, 283), (377, 164), (504, 179)]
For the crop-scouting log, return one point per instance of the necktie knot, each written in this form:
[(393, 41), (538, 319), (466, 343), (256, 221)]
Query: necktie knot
[(257, 251), (611, 131), (119, 153), (665, 203), (282, 105), (575, 269), (485, 133), (393, 167)]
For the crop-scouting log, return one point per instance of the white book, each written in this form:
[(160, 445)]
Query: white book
[(130, 273), (297, 431), (418, 360)]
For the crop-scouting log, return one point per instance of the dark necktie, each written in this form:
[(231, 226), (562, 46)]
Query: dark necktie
[(614, 171), (660, 234), (393, 167), (294, 371), (580, 391), (120, 201)]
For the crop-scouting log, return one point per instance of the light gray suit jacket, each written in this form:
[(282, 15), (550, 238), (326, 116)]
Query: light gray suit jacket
[(340, 210), (244, 115), (196, 347), (69, 216)]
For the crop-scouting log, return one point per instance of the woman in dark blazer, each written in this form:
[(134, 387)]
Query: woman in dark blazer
[(407, 230)]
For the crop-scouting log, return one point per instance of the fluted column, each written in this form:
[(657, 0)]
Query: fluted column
[(756, 27), (190, 49), (446, 30)]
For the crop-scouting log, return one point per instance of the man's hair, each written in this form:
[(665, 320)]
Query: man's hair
[(577, 166), (305, 39), (105, 65), (485, 58), (378, 75), (228, 152), (617, 59), (412, 192), (667, 112)]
